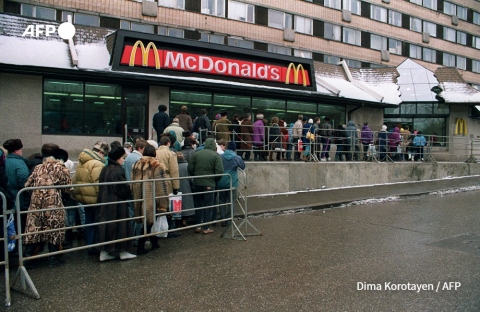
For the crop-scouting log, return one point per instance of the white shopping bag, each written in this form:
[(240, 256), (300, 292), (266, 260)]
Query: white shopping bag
[(160, 225)]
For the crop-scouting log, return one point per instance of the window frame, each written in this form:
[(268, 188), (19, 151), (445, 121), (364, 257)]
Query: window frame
[(284, 19), (418, 52), (305, 21), (172, 6), (397, 20), (337, 4), (398, 46), (383, 43), (246, 7), (448, 33), (357, 36), (203, 8), (349, 4), (429, 52), (273, 48), (461, 62), (430, 28), (375, 9), (334, 28), (34, 11), (413, 22), (448, 59)]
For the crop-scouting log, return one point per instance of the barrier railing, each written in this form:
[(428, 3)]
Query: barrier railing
[(342, 145), (474, 150), (4, 240), (22, 273)]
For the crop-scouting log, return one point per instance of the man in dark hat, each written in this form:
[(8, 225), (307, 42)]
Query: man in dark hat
[(231, 162), (160, 121)]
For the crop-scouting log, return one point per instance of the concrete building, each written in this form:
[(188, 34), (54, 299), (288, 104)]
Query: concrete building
[(413, 63)]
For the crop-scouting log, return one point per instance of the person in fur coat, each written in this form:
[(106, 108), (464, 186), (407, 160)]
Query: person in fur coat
[(148, 167)]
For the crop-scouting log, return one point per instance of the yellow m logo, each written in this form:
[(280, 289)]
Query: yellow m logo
[(144, 54), (296, 71), (460, 126)]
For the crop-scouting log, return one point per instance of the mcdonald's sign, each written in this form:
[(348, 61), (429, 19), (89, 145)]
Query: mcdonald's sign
[(460, 126), (166, 54)]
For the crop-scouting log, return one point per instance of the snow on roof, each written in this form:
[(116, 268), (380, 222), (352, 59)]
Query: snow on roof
[(454, 88), (99, 62)]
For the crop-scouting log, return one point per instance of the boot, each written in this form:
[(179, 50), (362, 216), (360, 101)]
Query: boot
[(54, 261), (29, 251), (154, 242), (141, 246)]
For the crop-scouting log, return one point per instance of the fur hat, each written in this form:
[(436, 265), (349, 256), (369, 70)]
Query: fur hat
[(116, 153), (231, 146), (13, 145), (60, 154), (102, 146), (310, 121), (384, 128)]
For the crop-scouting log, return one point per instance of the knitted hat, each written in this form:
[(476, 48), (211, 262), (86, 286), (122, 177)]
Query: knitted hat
[(231, 146), (116, 153), (153, 143), (217, 116), (384, 128), (310, 121), (13, 145)]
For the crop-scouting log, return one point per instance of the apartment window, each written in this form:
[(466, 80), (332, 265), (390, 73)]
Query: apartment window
[(449, 8), (142, 28), (353, 6), (395, 46), (476, 66), (277, 19), (301, 53), (476, 18), (461, 62), (352, 36), (214, 7), (378, 13), (87, 20), (238, 42), (206, 37), (176, 4), (415, 52), (332, 32), (429, 55), (38, 12), (449, 34), (415, 24), (241, 11), (431, 4), (353, 63), (430, 28), (419, 2), (329, 59), (395, 18), (378, 42), (448, 59), (334, 4), (461, 38), (462, 13), (304, 25), (171, 32), (279, 49), (476, 42)]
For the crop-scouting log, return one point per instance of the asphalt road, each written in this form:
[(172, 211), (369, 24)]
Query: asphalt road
[(350, 258)]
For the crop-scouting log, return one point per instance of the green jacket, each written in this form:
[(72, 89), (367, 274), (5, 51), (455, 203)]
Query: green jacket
[(17, 173), (206, 162)]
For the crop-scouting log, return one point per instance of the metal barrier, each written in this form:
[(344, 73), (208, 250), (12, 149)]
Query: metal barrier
[(474, 150), (22, 273), (6, 262), (342, 145)]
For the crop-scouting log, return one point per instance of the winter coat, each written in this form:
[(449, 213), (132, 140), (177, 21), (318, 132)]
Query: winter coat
[(187, 152), (297, 129), (419, 140), (367, 135), (394, 137), (148, 168), (130, 161), (206, 162), (258, 133), (169, 160), (203, 123), (326, 129), (160, 122), (284, 140), (51, 172), (247, 130), (111, 194), (90, 164), (177, 129), (274, 136), (186, 189), (17, 174), (306, 128), (231, 162), (351, 135), (222, 128), (185, 121)]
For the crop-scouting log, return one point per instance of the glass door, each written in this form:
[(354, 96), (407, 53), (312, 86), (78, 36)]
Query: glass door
[(135, 114)]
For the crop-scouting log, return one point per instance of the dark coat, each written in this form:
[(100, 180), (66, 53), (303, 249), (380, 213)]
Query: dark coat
[(206, 162), (185, 121), (113, 172), (274, 136), (186, 189), (247, 130), (160, 122)]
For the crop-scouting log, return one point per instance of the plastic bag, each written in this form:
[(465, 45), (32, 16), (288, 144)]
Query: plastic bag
[(11, 233), (176, 205), (160, 225)]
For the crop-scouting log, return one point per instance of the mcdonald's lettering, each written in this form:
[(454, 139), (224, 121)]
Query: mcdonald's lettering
[(460, 126), (177, 205), (150, 56)]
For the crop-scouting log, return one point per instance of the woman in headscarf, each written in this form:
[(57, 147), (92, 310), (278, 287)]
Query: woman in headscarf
[(147, 168)]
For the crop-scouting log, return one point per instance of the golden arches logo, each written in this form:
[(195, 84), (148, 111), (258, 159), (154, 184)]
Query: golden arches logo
[(144, 54), (296, 71), (460, 126)]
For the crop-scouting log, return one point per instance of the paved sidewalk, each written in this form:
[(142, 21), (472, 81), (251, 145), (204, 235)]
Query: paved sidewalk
[(327, 198)]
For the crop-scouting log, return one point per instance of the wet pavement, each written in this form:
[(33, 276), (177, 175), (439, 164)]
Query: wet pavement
[(356, 257)]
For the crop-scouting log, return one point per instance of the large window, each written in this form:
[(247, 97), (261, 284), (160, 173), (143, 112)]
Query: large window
[(76, 107), (461, 62), (194, 100), (378, 13), (353, 6), (206, 37), (476, 18), (430, 28), (214, 7), (449, 34), (334, 4), (86, 19), (448, 59), (171, 32), (330, 59), (38, 12), (429, 55), (268, 107), (279, 49), (395, 18), (141, 27), (295, 108), (476, 42), (302, 53), (431, 4), (449, 8), (233, 104), (461, 38), (352, 36), (476, 66), (395, 46), (241, 11), (333, 32), (239, 42), (378, 42), (415, 24), (415, 52), (303, 25), (277, 19), (176, 4)]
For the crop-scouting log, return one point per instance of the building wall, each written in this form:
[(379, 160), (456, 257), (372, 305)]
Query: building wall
[(461, 144), (157, 95)]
